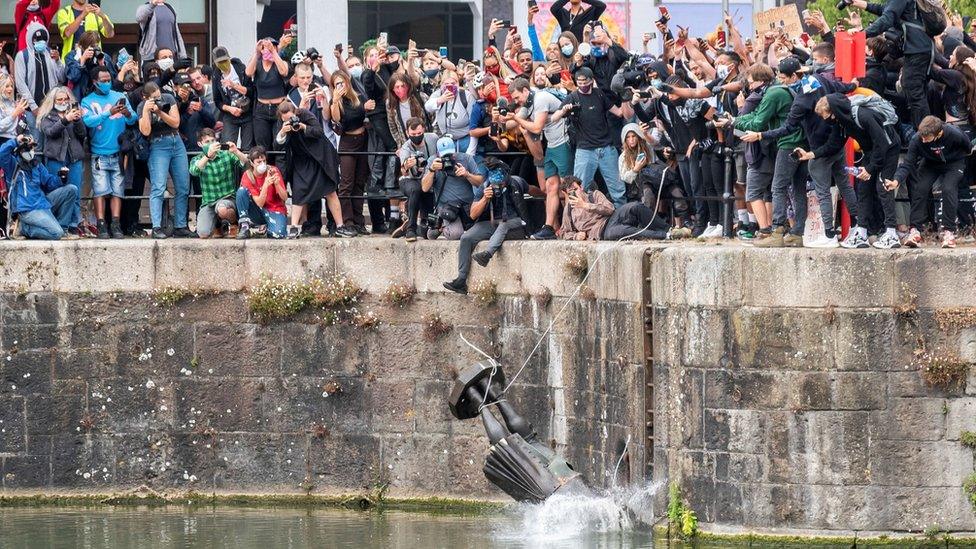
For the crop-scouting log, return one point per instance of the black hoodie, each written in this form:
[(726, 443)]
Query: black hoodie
[(802, 115), (950, 147), (875, 139)]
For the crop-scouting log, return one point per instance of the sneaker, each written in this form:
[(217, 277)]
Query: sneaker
[(948, 239), (381, 228), (360, 229), (745, 234), (545, 233), (231, 231), (346, 231), (244, 231), (224, 229), (698, 230), (115, 230), (887, 242), (796, 241), (410, 236), (71, 233), (102, 230), (15, 230), (184, 232), (482, 258), (679, 232), (294, 231), (457, 286), (774, 240), (855, 241), (400, 231), (159, 234), (822, 241), (433, 234), (913, 240)]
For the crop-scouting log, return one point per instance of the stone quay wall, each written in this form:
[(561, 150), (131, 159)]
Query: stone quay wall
[(785, 392)]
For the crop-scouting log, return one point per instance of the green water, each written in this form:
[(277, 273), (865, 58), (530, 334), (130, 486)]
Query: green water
[(168, 527)]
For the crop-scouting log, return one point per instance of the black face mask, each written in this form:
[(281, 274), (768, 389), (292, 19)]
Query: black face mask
[(554, 79), (392, 67), (417, 139)]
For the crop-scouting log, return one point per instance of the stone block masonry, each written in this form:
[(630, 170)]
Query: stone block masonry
[(786, 383), (105, 385)]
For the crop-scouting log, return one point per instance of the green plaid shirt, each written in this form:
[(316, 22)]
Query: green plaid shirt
[(218, 178)]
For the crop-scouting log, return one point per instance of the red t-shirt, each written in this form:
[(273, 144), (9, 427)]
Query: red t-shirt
[(274, 203), (23, 18)]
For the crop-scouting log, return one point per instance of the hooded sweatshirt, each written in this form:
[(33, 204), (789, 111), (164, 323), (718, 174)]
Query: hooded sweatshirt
[(771, 113), (24, 17), (875, 139), (627, 175), (951, 147), (815, 129), (29, 185), (591, 222), (30, 82)]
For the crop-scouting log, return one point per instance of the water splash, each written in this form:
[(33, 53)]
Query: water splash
[(565, 517)]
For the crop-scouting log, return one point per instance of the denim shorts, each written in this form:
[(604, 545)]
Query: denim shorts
[(107, 177), (558, 161)]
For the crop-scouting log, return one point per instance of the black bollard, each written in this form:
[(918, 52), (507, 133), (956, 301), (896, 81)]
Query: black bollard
[(728, 194)]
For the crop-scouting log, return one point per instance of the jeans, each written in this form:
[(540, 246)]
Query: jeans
[(50, 224), (713, 183), (107, 176), (586, 163), (167, 157), (207, 217), (418, 202), (690, 168), (485, 230), (75, 170), (636, 221), (927, 175), (249, 211), (265, 124), (914, 80), (823, 171), (789, 176)]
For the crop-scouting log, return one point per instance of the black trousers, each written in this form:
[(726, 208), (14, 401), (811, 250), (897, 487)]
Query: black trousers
[(130, 208), (872, 192), (636, 221), (949, 175), (914, 79), (418, 202), (713, 183), (266, 125)]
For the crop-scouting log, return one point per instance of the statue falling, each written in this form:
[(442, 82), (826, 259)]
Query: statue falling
[(517, 462)]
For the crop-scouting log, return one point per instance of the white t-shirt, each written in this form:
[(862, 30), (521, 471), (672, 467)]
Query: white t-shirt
[(556, 132)]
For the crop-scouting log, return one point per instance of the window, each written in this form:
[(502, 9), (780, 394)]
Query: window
[(430, 24)]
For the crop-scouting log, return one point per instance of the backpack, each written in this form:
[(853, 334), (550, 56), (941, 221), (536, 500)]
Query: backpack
[(932, 15), (874, 103)]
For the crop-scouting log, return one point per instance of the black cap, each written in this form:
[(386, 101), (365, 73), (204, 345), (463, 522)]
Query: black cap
[(40, 34), (789, 66), (220, 54), (392, 50), (180, 79), (585, 72)]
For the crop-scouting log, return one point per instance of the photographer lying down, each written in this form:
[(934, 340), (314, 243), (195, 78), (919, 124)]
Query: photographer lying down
[(589, 215)]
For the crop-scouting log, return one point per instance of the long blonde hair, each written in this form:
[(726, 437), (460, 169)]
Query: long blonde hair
[(349, 93), (5, 80), (48, 104), (630, 155)]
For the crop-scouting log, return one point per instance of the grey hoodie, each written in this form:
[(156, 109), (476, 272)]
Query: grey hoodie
[(25, 69)]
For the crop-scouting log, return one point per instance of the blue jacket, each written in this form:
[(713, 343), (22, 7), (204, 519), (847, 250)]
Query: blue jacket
[(105, 128), (80, 76), (27, 188)]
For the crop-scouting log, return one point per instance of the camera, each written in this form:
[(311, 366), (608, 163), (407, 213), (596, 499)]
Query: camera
[(183, 64), (421, 161), (842, 4), (795, 155), (448, 163), (63, 174), (313, 54), (711, 123), (575, 109), (294, 122), (494, 130), (98, 53)]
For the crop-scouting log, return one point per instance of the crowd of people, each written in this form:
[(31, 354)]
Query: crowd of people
[(576, 139)]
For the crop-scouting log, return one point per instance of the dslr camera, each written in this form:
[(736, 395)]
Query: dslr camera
[(421, 159), (313, 54), (711, 123), (575, 110), (448, 163), (294, 121), (842, 4)]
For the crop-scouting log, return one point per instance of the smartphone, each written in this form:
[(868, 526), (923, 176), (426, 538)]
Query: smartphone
[(533, 4), (795, 155), (338, 46), (442, 51), (805, 38), (383, 37), (506, 23), (421, 53), (720, 40), (121, 103), (493, 130), (225, 146), (665, 15), (806, 14), (565, 75), (641, 156), (739, 133), (293, 30)]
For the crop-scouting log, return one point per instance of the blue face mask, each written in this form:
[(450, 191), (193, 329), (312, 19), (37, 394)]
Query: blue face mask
[(567, 50), (656, 83), (40, 46), (597, 52), (795, 86), (356, 72), (103, 87), (431, 73)]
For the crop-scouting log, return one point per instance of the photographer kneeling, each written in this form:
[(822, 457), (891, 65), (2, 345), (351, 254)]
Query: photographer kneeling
[(499, 213), (47, 206), (452, 177), (415, 154)]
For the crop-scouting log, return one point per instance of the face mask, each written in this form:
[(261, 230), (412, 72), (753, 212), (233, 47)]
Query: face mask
[(356, 72), (491, 97), (392, 66), (494, 70), (496, 176), (795, 86), (417, 139), (28, 155), (431, 73), (722, 71), (656, 83), (103, 87), (554, 79), (401, 93), (165, 64), (40, 46), (33, 8), (585, 90), (224, 66), (61, 107), (597, 52), (261, 168), (567, 50)]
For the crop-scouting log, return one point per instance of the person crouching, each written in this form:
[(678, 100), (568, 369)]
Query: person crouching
[(215, 167), (46, 205)]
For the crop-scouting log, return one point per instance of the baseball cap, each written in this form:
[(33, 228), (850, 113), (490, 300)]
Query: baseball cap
[(392, 50), (445, 145), (585, 72), (220, 54), (789, 66)]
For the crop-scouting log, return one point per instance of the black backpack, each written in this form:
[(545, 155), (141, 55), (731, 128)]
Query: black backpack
[(932, 15)]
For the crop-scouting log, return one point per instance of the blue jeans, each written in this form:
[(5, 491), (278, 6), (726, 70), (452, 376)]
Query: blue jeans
[(247, 210), (605, 158), (50, 224), (75, 170), (167, 157)]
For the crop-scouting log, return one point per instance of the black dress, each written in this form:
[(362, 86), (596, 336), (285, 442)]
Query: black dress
[(311, 162)]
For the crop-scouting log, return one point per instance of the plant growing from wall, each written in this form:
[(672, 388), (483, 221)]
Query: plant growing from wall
[(968, 439), (434, 326), (969, 487), (943, 370), (365, 321), (543, 298), (485, 292), (399, 294), (681, 518), (273, 299), (577, 265)]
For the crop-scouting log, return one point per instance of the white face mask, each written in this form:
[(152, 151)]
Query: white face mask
[(165, 64), (28, 155), (261, 168), (722, 71), (61, 107)]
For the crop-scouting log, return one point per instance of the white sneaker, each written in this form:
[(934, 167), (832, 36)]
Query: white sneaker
[(887, 242), (854, 241), (712, 231), (822, 242)]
